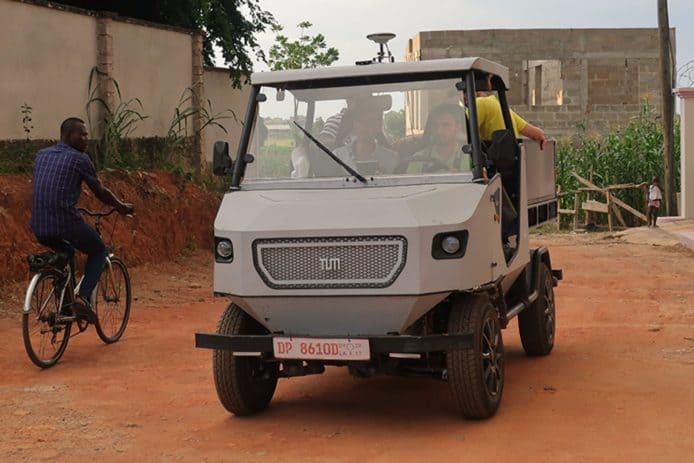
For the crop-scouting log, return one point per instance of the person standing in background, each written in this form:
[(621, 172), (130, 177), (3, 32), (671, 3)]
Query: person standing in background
[(655, 196)]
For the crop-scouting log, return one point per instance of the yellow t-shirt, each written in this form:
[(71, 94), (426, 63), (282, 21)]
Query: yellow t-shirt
[(491, 119)]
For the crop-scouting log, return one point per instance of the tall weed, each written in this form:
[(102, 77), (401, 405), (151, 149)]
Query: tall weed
[(117, 123)]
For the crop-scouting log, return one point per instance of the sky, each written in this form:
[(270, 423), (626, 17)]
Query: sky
[(345, 23)]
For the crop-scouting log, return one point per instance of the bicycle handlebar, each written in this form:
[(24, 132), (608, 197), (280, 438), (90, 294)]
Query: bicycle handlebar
[(96, 214)]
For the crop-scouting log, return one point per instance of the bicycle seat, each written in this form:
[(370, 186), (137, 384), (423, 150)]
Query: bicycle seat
[(44, 260)]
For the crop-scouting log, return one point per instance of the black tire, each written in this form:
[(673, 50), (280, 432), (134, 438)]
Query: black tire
[(537, 323), (245, 385), (476, 374), (111, 301), (45, 340)]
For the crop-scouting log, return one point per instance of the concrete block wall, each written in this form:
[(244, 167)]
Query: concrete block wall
[(607, 74), (49, 51)]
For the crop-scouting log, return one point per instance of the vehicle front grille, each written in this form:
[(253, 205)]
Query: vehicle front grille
[(335, 262)]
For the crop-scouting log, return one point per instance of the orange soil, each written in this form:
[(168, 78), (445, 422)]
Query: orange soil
[(618, 386), (172, 215)]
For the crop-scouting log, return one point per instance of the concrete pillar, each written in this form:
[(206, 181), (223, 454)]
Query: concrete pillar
[(105, 85), (198, 88), (687, 147)]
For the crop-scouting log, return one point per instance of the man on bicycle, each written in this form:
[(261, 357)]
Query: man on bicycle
[(59, 171)]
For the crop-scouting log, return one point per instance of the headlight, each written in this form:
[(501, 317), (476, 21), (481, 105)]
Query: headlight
[(450, 244), (224, 251)]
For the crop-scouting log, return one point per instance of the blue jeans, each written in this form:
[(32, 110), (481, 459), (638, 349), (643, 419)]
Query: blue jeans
[(86, 239)]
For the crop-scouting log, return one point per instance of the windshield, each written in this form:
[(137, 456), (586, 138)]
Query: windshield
[(406, 128)]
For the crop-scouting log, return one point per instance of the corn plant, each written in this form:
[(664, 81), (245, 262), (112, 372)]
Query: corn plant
[(184, 111), (116, 125), (632, 155)]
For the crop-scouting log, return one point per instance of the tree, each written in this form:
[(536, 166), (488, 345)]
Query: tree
[(230, 25), (305, 52), (394, 124)]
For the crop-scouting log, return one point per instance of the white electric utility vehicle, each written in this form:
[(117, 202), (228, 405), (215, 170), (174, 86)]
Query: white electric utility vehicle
[(351, 237)]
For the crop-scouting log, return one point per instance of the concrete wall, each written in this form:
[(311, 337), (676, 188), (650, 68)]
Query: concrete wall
[(606, 74), (47, 53), (686, 207), (224, 97), (153, 65), (45, 59)]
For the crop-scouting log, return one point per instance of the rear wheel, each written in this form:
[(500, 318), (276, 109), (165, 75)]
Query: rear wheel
[(45, 335), (245, 385), (537, 322), (476, 374), (111, 302)]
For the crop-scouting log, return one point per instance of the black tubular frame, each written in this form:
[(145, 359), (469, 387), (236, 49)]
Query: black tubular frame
[(477, 159), (505, 110), (240, 164)]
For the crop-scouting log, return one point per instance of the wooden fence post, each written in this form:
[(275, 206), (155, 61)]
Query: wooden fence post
[(609, 209)]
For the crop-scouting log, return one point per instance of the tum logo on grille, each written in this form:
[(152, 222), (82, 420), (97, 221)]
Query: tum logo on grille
[(329, 264)]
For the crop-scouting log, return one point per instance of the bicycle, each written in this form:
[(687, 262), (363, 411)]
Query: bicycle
[(47, 316)]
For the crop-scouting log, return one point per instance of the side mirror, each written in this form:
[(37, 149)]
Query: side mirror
[(221, 162)]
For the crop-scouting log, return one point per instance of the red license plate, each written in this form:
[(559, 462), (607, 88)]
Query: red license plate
[(321, 348)]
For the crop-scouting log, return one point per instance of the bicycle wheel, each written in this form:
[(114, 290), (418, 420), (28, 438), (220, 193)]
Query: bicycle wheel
[(45, 336), (111, 302)]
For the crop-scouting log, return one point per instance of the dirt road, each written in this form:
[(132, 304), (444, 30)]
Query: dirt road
[(619, 385)]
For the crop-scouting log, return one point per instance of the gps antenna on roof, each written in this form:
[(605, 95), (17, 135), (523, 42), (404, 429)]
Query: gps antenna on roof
[(382, 39)]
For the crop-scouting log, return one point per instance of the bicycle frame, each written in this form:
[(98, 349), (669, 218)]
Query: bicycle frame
[(68, 283), (108, 269), (35, 279)]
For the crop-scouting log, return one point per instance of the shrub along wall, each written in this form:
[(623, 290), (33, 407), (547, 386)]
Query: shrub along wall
[(147, 153)]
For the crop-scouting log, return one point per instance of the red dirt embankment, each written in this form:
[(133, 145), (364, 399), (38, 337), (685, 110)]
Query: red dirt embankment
[(171, 216)]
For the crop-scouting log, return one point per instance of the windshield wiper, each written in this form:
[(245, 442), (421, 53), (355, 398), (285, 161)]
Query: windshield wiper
[(327, 151)]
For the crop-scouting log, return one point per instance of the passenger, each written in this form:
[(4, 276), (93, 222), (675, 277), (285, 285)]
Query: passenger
[(306, 161), (331, 129), (443, 140), (490, 118), (367, 150), (301, 164)]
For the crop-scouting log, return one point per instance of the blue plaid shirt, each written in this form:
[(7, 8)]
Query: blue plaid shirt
[(58, 175)]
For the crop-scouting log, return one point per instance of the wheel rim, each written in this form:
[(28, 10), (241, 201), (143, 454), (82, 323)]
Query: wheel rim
[(46, 337), (492, 357), (548, 313)]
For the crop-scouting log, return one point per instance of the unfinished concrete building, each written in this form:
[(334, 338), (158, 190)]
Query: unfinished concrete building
[(563, 78)]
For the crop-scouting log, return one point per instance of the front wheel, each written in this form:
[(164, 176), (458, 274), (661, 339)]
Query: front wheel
[(476, 374), (245, 385), (111, 301), (45, 335)]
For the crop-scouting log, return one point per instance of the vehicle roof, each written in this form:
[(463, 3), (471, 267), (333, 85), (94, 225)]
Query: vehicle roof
[(380, 72)]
